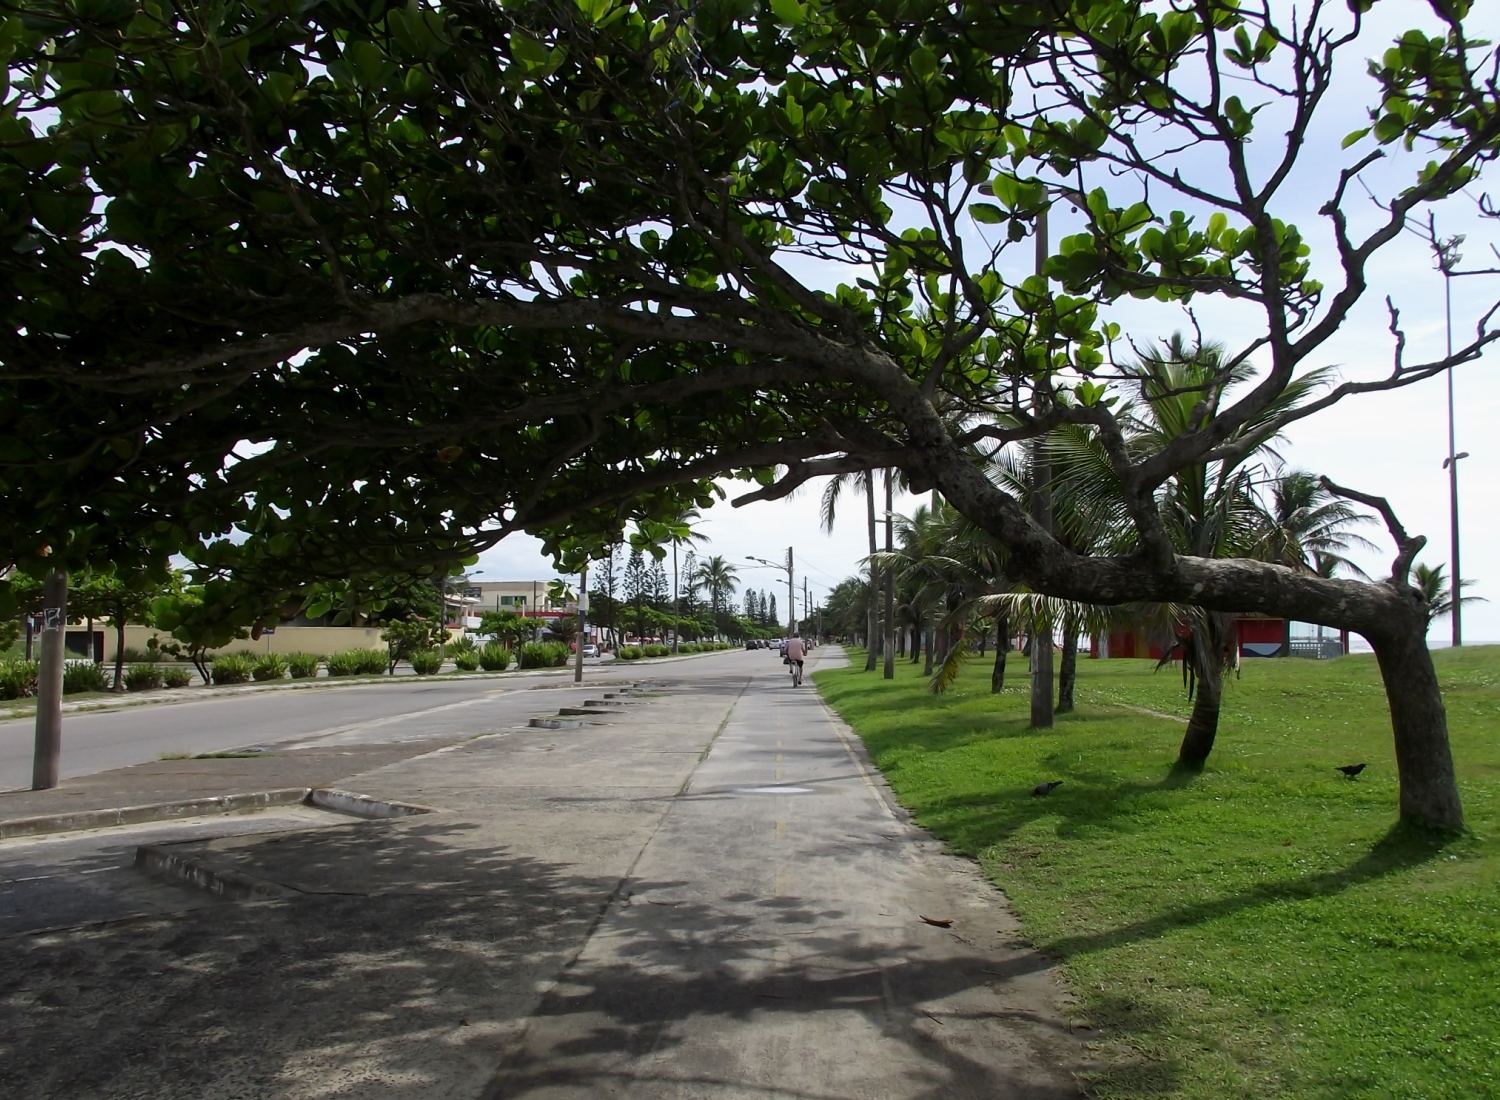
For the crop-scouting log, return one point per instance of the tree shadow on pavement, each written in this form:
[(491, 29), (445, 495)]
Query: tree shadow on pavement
[(407, 957)]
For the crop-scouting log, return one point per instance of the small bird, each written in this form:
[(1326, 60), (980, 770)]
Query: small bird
[(1351, 770), (1042, 790)]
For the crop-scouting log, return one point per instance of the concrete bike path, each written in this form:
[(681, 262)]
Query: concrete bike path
[(704, 895), (770, 942)]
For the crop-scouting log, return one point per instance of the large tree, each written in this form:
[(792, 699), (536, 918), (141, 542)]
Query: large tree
[(456, 270)]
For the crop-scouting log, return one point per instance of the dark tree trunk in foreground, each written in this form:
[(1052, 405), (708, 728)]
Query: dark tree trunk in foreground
[(1002, 647), (120, 655), (1041, 678), (1067, 671)]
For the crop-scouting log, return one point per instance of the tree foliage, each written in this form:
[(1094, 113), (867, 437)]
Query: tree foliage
[(379, 284)]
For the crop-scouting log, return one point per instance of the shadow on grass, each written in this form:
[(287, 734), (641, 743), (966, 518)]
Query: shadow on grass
[(1403, 847)]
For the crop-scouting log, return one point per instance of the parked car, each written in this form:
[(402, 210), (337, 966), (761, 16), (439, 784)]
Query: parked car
[(591, 651)]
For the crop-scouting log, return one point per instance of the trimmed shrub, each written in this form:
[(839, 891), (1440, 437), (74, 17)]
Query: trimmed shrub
[(147, 677), (83, 676), (303, 665), (175, 676), (462, 644), (346, 662), (425, 662), (630, 653), (467, 660), (270, 667), (357, 662), (18, 679), (232, 668), (690, 647), (533, 655), (656, 650), (495, 657)]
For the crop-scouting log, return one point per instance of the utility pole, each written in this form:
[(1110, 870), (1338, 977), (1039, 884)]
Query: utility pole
[(1448, 257), (791, 596), (583, 610), (806, 603), (46, 762), (1041, 499), (888, 640)]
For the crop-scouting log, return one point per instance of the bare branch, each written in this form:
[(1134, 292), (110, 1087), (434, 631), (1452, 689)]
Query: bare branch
[(1407, 546)]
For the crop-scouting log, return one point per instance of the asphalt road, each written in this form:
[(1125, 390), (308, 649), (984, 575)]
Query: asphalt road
[(406, 709)]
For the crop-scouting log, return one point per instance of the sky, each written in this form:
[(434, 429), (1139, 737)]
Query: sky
[(1392, 444)]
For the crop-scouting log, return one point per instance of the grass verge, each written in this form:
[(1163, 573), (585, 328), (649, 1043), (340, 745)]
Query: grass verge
[(1259, 931)]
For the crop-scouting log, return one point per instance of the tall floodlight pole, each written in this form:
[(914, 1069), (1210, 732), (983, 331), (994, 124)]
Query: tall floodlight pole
[(1448, 257)]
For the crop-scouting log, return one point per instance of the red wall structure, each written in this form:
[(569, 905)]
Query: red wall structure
[(1258, 637)]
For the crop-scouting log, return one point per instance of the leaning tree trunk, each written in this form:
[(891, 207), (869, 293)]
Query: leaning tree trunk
[(1002, 647), (1424, 761), (1390, 614), (1067, 672)]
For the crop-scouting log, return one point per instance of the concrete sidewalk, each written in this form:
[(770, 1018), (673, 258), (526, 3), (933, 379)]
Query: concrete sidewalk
[(647, 907)]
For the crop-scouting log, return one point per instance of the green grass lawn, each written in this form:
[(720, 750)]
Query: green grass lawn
[(1261, 930)]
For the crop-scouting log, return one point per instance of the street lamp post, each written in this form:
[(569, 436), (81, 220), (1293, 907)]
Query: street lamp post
[(1448, 257), (582, 635), (791, 588)]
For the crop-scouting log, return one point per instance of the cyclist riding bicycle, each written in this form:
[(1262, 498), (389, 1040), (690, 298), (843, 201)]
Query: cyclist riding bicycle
[(796, 653)]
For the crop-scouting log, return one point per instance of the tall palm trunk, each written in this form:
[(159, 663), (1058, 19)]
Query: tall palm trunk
[(1002, 647), (888, 638), (1203, 725), (872, 633), (1205, 651), (931, 632), (1067, 672)]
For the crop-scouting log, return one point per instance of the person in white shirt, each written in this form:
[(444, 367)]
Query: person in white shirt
[(796, 653)]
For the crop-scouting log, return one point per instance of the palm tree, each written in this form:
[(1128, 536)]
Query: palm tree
[(1208, 509), (831, 493), (1305, 527), (721, 579), (1437, 590)]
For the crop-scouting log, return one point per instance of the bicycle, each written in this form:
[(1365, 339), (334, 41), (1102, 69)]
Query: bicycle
[(796, 673)]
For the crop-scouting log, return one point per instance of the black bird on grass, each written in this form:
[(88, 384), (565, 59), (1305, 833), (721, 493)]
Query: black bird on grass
[(1041, 790), (1351, 770)]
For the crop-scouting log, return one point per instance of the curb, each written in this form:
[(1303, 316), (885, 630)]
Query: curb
[(324, 798), (194, 872), (157, 811)]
